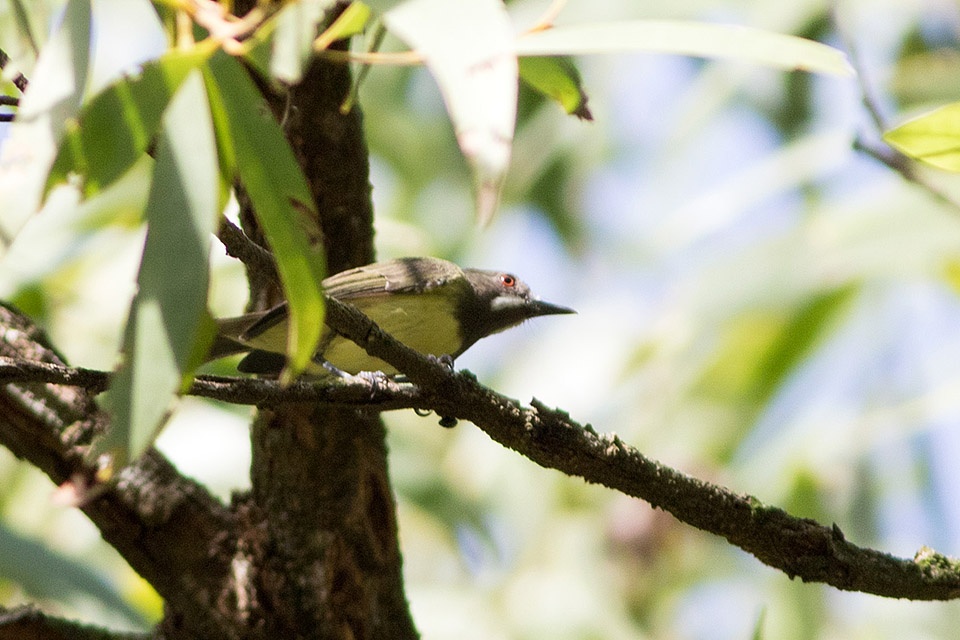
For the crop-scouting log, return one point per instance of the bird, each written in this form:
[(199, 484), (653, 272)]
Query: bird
[(429, 304)]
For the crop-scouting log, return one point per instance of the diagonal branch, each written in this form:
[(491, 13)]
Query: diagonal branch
[(882, 153), (799, 547), (170, 529)]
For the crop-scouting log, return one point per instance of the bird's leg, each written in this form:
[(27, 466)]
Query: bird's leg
[(340, 373), (375, 379), (445, 361)]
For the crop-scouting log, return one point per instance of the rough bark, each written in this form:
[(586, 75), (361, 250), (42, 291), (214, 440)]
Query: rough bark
[(319, 473)]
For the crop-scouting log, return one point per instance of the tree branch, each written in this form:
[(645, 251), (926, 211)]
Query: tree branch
[(170, 529), (799, 547), (251, 254), (380, 394), (19, 80), (26, 622), (889, 157)]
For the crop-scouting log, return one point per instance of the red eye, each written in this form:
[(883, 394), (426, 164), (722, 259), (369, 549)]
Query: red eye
[(507, 280)]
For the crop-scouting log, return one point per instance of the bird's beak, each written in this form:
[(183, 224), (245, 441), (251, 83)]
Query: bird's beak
[(541, 308)]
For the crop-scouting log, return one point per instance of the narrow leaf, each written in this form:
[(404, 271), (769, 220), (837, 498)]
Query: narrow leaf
[(806, 330), (46, 574), (933, 138), (468, 46), (247, 132), (352, 21), (169, 329), (292, 42), (54, 95), (687, 38), (117, 126), (557, 78)]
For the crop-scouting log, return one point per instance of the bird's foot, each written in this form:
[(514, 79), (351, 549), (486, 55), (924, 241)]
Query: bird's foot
[(445, 361), (377, 380), (445, 422)]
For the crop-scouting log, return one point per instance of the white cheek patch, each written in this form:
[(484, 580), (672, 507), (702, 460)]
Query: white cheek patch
[(501, 303)]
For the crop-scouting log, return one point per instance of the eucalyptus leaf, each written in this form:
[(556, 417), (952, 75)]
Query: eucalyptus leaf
[(169, 329), (468, 47), (118, 125), (557, 78), (687, 38), (52, 98), (252, 144), (292, 41), (933, 138), (47, 574)]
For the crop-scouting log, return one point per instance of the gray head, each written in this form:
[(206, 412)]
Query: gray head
[(499, 301)]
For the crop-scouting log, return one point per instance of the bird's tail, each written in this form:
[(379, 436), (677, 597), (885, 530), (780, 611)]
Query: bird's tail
[(229, 330)]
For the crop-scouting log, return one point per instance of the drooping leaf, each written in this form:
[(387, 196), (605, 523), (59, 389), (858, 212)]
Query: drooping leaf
[(47, 574), (805, 330), (27, 23), (761, 350), (690, 39), (117, 126), (468, 47), (557, 78), (169, 329), (933, 138), (951, 275), (282, 48), (375, 36), (247, 133), (382, 6), (53, 97), (352, 21)]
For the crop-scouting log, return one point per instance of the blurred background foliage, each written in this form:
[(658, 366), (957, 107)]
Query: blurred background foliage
[(760, 306)]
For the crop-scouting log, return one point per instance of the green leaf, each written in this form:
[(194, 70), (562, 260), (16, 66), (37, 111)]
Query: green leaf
[(53, 97), (805, 330), (933, 138), (468, 47), (248, 134), (687, 38), (352, 21), (761, 350), (27, 22), (49, 575), (169, 329), (117, 126), (951, 274), (282, 48), (557, 78)]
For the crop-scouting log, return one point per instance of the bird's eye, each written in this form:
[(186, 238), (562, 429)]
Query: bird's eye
[(508, 280)]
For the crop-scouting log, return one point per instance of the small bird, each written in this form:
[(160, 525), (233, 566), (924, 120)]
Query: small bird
[(430, 305)]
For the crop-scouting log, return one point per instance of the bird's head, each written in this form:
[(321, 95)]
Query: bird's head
[(497, 301)]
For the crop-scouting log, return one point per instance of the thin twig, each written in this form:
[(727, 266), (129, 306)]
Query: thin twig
[(799, 547), (19, 80), (240, 246), (399, 59), (886, 155), (546, 21)]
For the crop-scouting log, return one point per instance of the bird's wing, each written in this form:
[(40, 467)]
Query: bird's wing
[(367, 283), (404, 275), (265, 321)]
